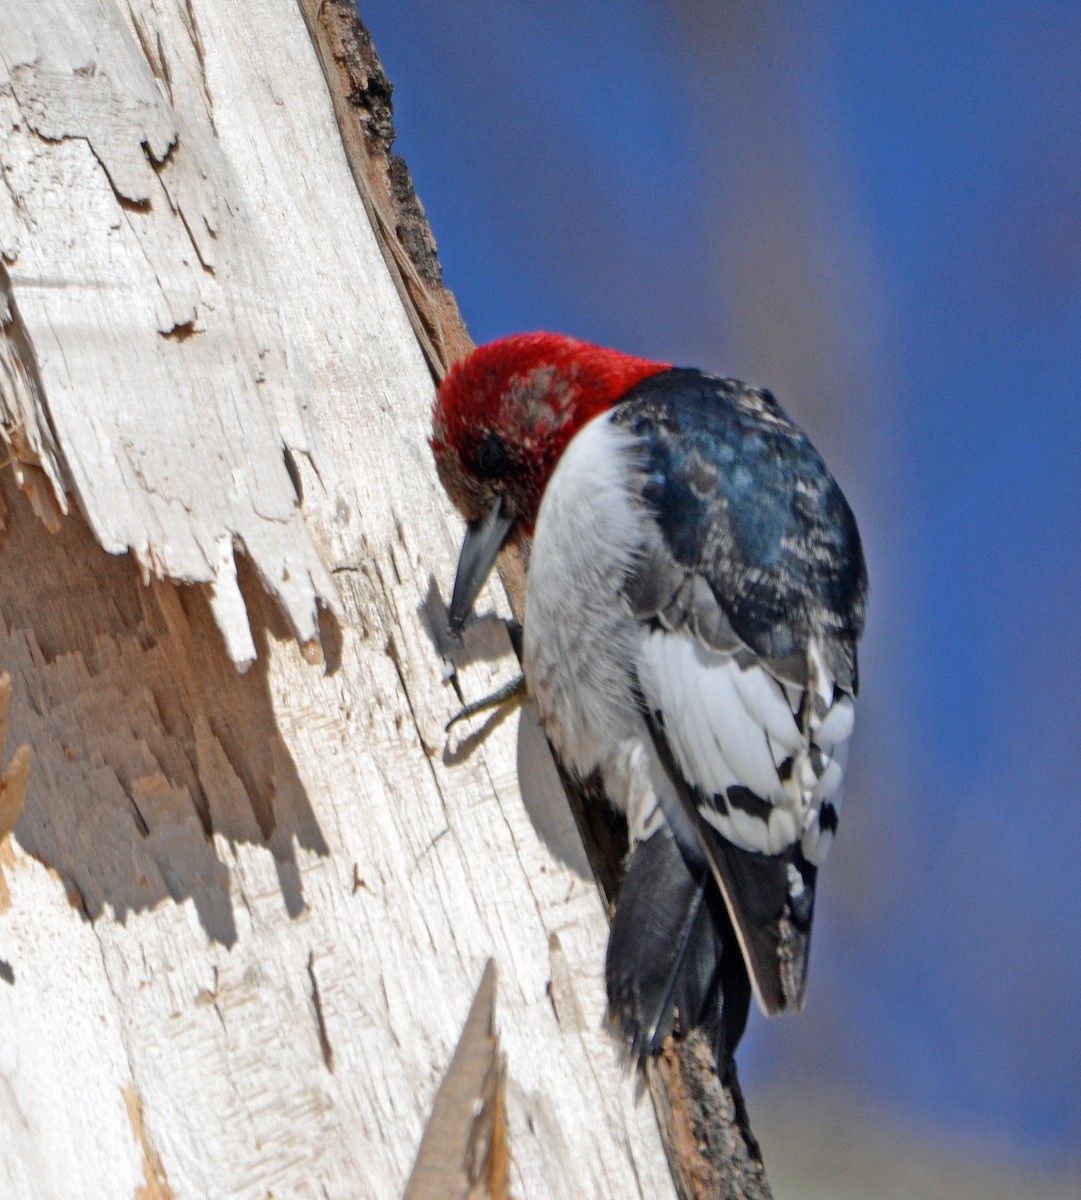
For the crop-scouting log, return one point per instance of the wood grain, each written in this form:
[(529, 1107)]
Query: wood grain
[(244, 915)]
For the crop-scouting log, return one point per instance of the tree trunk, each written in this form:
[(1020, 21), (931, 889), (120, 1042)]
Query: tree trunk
[(244, 914), (251, 888)]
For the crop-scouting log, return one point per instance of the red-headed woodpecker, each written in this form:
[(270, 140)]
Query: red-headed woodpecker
[(695, 592)]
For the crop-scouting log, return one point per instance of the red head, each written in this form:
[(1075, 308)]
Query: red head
[(505, 414)]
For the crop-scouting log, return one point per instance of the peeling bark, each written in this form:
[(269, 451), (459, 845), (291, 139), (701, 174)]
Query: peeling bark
[(168, 247), (360, 93)]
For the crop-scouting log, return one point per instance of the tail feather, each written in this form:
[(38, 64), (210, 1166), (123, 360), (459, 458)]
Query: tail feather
[(769, 898), (674, 963)]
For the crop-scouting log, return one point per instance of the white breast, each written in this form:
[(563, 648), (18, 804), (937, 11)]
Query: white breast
[(580, 641), (729, 723)]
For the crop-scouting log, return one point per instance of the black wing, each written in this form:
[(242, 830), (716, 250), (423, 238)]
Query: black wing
[(751, 585)]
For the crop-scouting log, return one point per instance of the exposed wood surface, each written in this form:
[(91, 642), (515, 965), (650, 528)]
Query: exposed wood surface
[(15, 776), (173, 381), (463, 1154), (360, 93), (242, 917)]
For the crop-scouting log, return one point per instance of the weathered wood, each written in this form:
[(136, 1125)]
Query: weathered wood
[(713, 1153), (243, 916), (184, 462), (360, 93), (13, 778), (704, 1122), (463, 1154)]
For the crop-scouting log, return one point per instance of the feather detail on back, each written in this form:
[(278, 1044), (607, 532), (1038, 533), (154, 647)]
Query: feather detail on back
[(749, 584)]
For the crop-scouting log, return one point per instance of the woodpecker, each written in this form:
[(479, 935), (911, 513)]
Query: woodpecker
[(695, 594)]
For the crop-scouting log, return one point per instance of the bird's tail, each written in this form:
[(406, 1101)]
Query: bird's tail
[(674, 963)]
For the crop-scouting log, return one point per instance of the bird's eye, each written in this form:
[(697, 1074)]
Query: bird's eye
[(491, 455)]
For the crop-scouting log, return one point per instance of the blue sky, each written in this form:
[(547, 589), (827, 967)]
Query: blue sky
[(874, 209)]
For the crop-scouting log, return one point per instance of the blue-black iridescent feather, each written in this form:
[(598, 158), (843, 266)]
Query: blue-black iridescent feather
[(744, 500), (743, 504)]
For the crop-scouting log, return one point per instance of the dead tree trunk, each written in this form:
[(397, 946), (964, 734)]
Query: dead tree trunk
[(247, 891)]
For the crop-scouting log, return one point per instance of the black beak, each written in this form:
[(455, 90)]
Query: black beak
[(483, 541)]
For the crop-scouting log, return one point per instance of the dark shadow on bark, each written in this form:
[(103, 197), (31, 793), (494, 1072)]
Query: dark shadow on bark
[(157, 742)]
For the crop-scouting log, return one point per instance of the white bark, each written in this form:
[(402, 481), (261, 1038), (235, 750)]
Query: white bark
[(242, 918)]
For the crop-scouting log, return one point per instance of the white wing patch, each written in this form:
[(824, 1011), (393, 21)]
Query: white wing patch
[(835, 728), (735, 733)]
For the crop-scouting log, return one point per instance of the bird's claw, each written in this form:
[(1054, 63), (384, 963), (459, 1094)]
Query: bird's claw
[(513, 690)]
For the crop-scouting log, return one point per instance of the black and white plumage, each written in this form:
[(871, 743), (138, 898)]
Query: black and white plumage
[(695, 593)]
